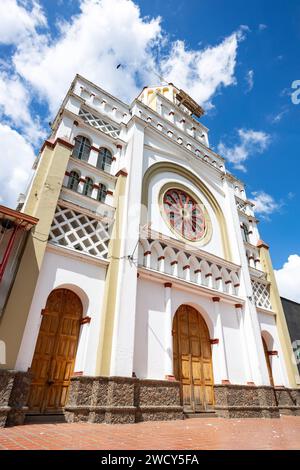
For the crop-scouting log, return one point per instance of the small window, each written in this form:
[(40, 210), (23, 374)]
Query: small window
[(101, 193), (104, 159), (245, 232), (88, 187), (74, 179), (82, 148)]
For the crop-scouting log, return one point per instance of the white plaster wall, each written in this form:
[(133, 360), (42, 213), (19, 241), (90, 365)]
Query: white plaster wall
[(86, 280), (150, 333), (269, 332)]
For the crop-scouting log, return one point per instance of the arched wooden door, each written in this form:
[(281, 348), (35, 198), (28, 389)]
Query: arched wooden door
[(193, 359), (54, 357), (269, 366)]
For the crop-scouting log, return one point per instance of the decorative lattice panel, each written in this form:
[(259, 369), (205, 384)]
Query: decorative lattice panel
[(261, 295), (241, 206), (98, 123), (79, 232)]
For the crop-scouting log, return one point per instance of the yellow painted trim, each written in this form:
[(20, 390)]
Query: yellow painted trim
[(172, 167), (283, 332), (104, 349), (41, 203)]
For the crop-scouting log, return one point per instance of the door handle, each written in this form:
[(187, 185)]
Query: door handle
[(50, 382)]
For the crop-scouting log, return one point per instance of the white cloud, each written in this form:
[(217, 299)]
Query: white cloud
[(15, 106), (288, 278), (19, 19), (16, 160), (250, 80), (250, 142), (109, 32), (262, 26), (93, 43), (265, 204), (202, 73), (14, 98), (275, 119)]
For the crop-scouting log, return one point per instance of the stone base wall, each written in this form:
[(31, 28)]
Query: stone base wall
[(247, 401), (122, 400), (14, 391), (288, 400)]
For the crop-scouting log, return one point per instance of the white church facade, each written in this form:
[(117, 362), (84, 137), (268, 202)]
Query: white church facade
[(144, 290)]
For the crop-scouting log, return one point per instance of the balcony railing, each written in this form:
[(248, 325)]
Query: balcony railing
[(164, 255)]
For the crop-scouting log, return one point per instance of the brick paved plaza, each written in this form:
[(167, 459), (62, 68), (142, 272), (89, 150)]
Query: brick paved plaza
[(205, 433)]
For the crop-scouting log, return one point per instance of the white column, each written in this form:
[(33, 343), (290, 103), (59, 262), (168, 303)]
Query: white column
[(221, 345), (168, 331), (240, 318), (122, 356)]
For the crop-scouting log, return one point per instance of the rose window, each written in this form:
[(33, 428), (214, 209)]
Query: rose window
[(184, 214)]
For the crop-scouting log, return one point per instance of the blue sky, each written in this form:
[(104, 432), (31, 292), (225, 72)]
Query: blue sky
[(241, 59)]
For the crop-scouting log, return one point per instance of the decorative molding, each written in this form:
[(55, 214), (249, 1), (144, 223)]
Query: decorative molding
[(168, 284), (52, 144), (121, 173), (214, 341), (262, 244), (216, 299)]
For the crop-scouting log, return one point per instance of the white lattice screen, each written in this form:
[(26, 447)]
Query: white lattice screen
[(241, 206), (79, 232), (98, 123), (261, 295)]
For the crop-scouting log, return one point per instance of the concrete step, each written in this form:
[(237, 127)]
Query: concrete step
[(200, 414), (35, 418)]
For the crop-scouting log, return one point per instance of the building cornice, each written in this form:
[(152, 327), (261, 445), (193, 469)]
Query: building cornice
[(190, 286), (196, 142), (93, 169), (70, 253), (83, 210), (25, 220), (76, 117)]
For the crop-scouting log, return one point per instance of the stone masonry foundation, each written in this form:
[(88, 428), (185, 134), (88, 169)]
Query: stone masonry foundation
[(247, 401), (122, 400), (14, 390)]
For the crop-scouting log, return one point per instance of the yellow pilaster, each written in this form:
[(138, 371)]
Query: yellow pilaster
[(282, 328), (110, 294), (41, 203)]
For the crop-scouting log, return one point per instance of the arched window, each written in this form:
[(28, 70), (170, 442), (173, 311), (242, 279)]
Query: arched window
[(82, 148), (245, 232), (101, 195), (73, 180), (88, 187), (104, 159)]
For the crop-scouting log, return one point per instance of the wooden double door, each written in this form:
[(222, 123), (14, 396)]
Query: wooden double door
[(193, 359), (55, 352)]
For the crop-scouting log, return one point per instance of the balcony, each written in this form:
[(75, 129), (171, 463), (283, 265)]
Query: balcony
[(165, 255)]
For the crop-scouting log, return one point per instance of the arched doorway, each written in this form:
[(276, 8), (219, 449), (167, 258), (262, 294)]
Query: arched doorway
[(193, 359), (269, 366), (55, 352)]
